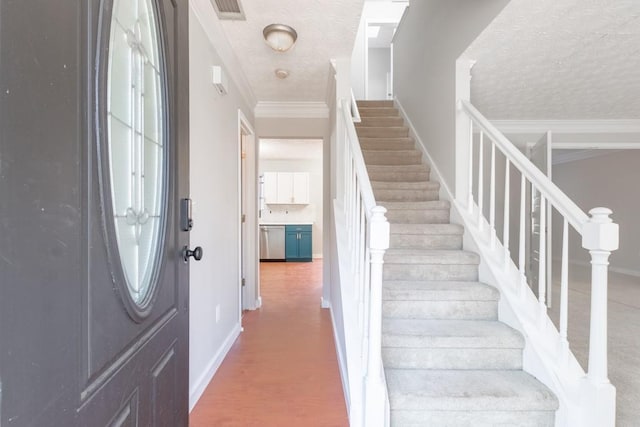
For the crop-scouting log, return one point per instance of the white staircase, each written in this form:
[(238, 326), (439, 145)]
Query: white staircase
[(447, 359)]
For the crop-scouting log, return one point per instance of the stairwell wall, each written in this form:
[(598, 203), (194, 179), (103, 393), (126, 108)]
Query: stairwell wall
[(430, 38)]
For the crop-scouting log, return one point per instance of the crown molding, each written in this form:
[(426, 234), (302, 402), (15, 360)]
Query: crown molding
[(296, 110), (568, 126), (206, 16)]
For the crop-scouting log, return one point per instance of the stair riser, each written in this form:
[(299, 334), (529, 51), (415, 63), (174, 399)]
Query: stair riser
[(380, 121), (388, 146), (405, 195), (463, 272), (426, 241), (430, 216), (462, 310), (390, 158), (451, 358), (375, 104), (399, 176), (378, 112), (473, 418), (382, 132)]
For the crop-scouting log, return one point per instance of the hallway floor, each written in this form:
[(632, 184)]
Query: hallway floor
[(624, 330), (283, 370)]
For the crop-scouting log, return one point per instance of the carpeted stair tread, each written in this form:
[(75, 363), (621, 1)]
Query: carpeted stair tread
[(430, 256), (427, 229), (377, 111), (438, 290), (459, 390), (460, 334), (392, 185), (374, 103), (380, 121)]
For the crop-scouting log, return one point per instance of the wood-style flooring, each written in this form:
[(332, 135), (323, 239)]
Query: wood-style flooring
[(283, 370)]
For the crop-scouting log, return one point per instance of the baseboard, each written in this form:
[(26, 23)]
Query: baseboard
[(619, 270), (203, 381), (258, 303), (325, 303), (317, 256), (341, 361)]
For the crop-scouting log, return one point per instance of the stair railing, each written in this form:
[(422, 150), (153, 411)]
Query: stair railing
[(366, 241), (590, 398)]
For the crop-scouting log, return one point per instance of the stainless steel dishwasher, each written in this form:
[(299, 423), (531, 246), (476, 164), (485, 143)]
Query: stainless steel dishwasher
[(272, 243)]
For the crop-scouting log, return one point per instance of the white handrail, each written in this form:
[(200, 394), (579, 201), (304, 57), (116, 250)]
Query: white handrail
[(358, 159), (576, 217)]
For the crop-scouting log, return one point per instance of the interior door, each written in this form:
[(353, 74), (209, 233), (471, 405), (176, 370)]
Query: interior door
[(540, 155), (93, 165)]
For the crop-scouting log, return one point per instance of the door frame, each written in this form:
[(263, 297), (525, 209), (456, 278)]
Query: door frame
[(248, 250)]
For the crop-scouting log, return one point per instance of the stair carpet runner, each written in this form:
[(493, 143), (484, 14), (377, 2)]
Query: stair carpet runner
[(448, 361)]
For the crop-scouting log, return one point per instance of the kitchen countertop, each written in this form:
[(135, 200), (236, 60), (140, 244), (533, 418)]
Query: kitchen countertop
[(287, 223)]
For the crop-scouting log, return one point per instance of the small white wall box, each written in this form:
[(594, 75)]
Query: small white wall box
[(219, 79)]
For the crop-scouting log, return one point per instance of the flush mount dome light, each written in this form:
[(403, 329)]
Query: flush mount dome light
[(280, 37)]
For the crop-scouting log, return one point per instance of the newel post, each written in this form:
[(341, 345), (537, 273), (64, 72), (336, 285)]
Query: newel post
[(599, 237), (374, 385), (463, 153)]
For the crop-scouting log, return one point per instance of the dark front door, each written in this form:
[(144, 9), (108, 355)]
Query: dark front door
[(93, 167)]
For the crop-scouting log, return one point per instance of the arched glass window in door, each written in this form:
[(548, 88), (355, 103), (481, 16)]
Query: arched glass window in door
[(136, 111)]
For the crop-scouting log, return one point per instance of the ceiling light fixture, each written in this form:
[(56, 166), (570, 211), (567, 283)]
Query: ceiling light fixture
[(280, 37)]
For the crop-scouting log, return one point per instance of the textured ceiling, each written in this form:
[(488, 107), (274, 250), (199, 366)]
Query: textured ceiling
[(559, 59), (326, 29)]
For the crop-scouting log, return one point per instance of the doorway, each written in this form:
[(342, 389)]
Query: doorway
[(291, 200), (379, 59), (248, 280)]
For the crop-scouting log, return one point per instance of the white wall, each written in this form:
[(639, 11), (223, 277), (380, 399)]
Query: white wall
[(380, 12), (214, 153), (313, 212), (611, 181), (379, 66), (429, 40)]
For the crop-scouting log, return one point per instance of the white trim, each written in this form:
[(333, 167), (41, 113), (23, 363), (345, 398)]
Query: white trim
[(258, 303), (317, 256), (567, 126), (297, 110), (341, 361), (206, 15), (575, 145), (205, 378)]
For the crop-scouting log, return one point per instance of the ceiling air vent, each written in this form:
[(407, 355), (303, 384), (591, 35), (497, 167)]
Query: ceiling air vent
[(228, 9)]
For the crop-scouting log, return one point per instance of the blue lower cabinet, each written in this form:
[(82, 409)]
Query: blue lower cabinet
[(298, 243)]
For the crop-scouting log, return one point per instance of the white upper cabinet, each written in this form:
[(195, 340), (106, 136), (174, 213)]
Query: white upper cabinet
[(301, 188), (286, 188)]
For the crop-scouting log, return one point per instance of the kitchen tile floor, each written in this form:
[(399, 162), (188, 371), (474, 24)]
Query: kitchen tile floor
[(283, 370)]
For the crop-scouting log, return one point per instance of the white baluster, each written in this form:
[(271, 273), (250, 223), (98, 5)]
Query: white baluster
[(492, 197), (542, 257), (480, 183), (470, 199), (564, 293), (521, 249), (505, 228)]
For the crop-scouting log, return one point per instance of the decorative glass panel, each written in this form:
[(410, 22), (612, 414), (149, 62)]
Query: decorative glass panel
[(136, 146)]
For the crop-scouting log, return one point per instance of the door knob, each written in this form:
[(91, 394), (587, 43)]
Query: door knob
[(196, 253)]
